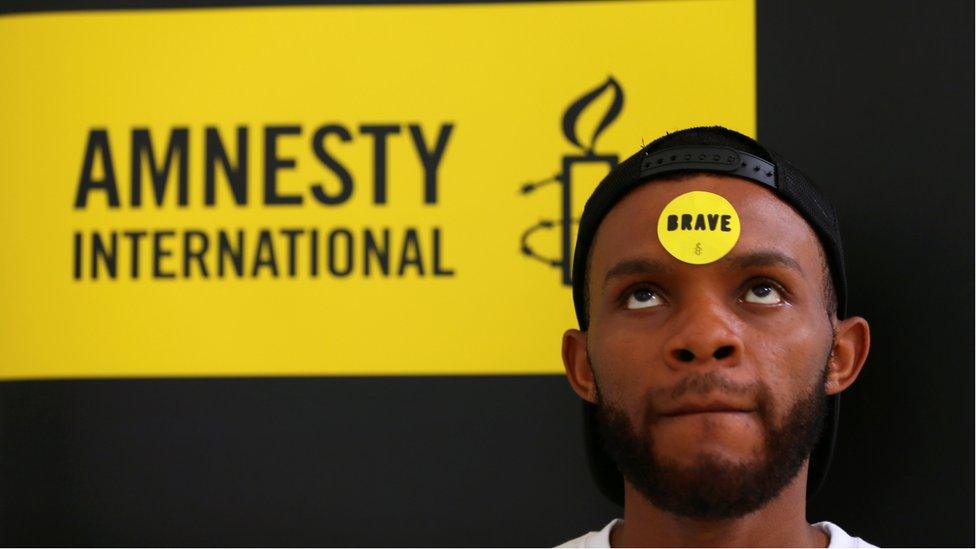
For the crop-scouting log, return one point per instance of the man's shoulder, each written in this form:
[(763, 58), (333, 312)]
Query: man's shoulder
[(840, 538), (599, 538)]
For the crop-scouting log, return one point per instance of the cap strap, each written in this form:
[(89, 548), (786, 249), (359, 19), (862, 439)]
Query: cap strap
[(724, 160)]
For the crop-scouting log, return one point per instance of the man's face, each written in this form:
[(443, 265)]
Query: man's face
[(710, 377)]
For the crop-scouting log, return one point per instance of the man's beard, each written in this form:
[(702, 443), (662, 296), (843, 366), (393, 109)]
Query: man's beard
[(715, 487)]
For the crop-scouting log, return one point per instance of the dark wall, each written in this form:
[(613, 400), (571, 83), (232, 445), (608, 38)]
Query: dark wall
[(875, 102), (300, 461)]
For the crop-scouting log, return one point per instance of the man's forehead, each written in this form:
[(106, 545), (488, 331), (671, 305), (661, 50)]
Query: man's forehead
[(768, 224)]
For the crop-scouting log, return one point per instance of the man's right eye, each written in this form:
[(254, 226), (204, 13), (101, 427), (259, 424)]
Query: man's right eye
[(643, 298)]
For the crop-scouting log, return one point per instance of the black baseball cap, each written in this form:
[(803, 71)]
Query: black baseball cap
[(723, 151)]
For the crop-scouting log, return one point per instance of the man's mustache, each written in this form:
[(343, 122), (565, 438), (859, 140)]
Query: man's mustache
[(712, 381)]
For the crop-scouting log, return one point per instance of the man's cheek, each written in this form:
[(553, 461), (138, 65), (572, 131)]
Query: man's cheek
[(631, 349), (801, 364), (786, 356)]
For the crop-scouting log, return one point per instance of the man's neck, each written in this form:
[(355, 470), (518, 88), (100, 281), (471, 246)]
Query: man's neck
[(780, 523)]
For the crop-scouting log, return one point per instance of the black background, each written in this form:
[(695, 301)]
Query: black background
[(875, 102)]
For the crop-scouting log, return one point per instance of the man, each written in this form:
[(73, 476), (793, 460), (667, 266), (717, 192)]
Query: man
[(713, 345)]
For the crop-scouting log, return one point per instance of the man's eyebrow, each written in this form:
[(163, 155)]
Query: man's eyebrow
[(763, 258), (637, 265)]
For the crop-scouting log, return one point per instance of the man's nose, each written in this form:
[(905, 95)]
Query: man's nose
[(706, 332)]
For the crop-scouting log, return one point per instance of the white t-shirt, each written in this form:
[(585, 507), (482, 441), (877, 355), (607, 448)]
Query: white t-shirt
[(838, 537)]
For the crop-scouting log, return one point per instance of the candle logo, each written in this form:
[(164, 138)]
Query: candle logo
[(585, 155)]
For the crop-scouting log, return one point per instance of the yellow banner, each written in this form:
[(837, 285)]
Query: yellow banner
[(335, 190)]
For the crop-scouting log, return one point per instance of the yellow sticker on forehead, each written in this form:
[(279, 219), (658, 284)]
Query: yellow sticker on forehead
[(698, 227)]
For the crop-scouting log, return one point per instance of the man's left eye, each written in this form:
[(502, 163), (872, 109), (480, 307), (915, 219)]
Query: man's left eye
[(764, 294)]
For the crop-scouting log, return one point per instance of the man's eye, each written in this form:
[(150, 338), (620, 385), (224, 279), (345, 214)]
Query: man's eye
[(643, 299), (764, 294)]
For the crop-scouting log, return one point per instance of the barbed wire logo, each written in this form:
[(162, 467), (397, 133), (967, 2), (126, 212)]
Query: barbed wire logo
[(587, 155)]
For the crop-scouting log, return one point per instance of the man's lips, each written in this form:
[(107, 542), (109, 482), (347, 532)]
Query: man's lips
[(708, 408)]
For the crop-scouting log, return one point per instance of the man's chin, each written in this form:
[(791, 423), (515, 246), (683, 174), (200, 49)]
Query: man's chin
[(708, 485), (713, 476), (713, 456), (735, 454)]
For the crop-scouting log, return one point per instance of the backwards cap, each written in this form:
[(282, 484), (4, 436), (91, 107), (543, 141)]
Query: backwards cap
[(715, 150)]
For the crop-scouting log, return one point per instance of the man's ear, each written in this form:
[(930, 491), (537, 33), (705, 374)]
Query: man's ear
[(851, 344), (577, 364)]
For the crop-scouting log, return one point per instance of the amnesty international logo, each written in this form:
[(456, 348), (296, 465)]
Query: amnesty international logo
[(586, 155)]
